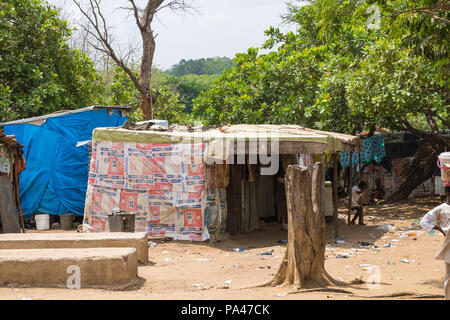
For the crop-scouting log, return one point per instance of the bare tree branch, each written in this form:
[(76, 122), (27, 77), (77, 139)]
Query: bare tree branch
[(136, 14), (428, 11), (100, 33), (103, 38)]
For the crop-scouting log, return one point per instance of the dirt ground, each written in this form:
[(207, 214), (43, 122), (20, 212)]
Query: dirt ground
[(186, 270)]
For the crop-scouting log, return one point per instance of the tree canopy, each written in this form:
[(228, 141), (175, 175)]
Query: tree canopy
[(39, 73), (350, 65), (209, 66)]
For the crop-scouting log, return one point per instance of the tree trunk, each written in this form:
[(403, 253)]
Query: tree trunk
[(149, 46), (303, 264), (419, 170)]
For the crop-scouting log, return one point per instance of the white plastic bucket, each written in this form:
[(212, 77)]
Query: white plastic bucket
[(444, 164), (42, 221)]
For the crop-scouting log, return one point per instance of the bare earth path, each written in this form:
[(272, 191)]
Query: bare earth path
[(185, 270)]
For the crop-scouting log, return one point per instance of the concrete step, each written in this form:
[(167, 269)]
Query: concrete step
[(98, 267), (47, 240)]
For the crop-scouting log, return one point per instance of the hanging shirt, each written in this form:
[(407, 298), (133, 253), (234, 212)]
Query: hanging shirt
[(441, 216), (372, 148), (345, 159)]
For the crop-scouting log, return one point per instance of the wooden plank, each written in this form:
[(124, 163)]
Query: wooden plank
[(245, 206), (288, 147), (234, 199), (350, 187), (280, 199), (8, 209), (335, 195), (254, 172), (17, 194), (266, 197)]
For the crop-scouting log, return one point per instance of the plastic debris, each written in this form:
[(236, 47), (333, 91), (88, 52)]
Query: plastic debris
[(280, 294), (404, 260), (203, 260), (282, 241), (387, 245), (200, 286), (386, 227), (431, 233), (342, 255), (266, 253), (416, 225), (364, 265), (366, 244), (340, 241), (197, 285), (152, 244), (167, 259), (227, 282), (368, 268), (238, 249), (265, 267)]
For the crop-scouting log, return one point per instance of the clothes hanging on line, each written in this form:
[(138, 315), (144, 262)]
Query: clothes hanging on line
[(372, 149)]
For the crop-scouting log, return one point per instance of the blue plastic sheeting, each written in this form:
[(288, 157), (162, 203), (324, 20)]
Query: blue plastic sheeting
[(56, 175)]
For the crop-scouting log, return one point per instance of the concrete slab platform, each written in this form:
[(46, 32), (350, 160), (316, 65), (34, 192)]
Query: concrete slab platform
[(99, 267), (139, 241)]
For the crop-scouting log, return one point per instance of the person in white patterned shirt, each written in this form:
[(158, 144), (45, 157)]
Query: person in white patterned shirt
[(439, 219)]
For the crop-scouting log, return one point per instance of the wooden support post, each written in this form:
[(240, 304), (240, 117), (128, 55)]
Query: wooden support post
[(17, 194), (8, 210), (350, 186), (234, 194), (335, 195)]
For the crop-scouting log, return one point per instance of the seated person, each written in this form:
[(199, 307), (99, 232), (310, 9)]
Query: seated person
[(378, 192)]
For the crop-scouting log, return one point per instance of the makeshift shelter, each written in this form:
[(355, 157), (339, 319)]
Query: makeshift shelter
[(400, 149), (57, 156), (12, 164), (195, 185)]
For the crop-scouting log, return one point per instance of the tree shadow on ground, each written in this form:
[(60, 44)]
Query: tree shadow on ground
[(376, 216)]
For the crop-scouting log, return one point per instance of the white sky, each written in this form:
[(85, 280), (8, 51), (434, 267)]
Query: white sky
[(220, 28)]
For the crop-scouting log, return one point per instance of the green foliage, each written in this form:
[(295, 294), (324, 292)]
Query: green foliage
[(39, 73), (123, 92), (338, 73), (208, 66), (189, 87)]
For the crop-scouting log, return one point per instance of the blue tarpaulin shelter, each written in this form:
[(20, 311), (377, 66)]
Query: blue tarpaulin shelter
[(56, 175)]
